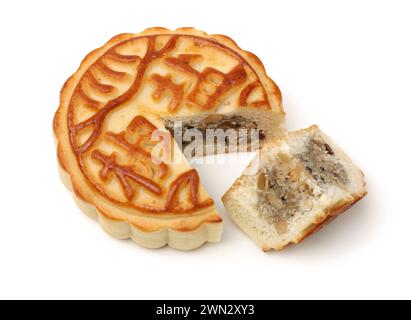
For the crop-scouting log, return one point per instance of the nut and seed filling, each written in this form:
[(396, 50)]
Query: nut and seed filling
[(320, 162), (281, 194), (214, 122)]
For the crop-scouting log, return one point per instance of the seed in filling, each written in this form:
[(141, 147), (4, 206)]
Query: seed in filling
[(215, 121), (320, 163)]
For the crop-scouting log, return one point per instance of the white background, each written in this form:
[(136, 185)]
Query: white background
[(344, 65)]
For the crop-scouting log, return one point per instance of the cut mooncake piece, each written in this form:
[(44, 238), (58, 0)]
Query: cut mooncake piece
[(295, 185)]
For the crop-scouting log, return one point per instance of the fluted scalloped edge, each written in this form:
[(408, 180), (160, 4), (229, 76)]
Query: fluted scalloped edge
[(123, 230)]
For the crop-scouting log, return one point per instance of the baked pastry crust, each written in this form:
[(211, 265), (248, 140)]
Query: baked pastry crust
[(110, 108)]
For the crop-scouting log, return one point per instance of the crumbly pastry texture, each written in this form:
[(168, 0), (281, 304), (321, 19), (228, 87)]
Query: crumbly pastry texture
[(297, 183), (121, 95)]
